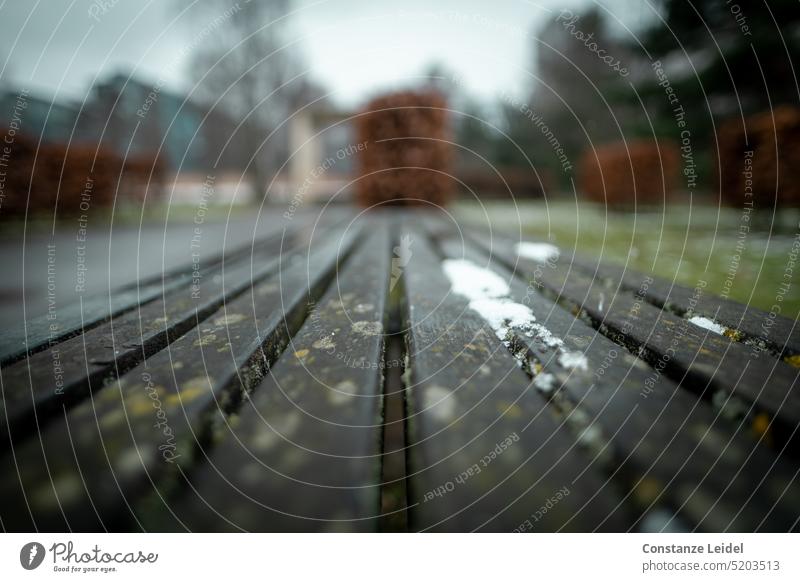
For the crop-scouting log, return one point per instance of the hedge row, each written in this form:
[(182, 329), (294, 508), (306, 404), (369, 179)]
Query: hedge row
[(504, 183), (629, 173), (759, 160), (406, 158), (68, 180)]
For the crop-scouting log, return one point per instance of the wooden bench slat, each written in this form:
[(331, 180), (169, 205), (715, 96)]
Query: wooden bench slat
[(695, 357), (772, 332), (779, 334), (149, 424), (698, 357), (42, 332), (467, 399), (87, 361), (304, 452), (540, 395), (702, 467)]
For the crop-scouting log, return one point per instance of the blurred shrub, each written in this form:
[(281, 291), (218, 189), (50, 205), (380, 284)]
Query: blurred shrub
[(71, 180), (505, 183), (405, 160), (759, 160), (629, 173), (17, 167), (142, 176)]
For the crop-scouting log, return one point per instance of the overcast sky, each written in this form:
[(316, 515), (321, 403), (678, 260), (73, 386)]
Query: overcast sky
[(354, 48)]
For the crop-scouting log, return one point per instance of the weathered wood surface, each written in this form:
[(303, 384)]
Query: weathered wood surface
[(664, 447), (304, 451), (113, 347), (744, 381), (485, 450), (87, 467), (40, 332), (401, 373), (755, 327)]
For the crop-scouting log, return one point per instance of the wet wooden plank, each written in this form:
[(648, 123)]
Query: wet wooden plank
[(41, 332), (304, 453), (552, 426), (682, 464), (767, 331), (748, 324), (48, 381), (100, 465), (486, 451), (736, 376)]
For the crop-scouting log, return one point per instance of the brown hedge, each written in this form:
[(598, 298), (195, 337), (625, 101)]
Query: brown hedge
[(503, 182), (773, 137), (629, 173), (405, 160), (69, 180)]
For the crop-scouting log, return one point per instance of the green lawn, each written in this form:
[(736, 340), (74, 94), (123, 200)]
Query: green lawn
[(685, 243)]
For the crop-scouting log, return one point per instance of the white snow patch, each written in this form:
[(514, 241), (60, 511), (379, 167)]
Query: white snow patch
[(439, 403), (474, 282), (503, 314), (488, 295), (545, 382), (545, 335), (708, 324), (540, 252), (573, 360), (590, 435)]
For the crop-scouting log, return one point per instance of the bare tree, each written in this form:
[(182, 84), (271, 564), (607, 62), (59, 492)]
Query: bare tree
[(241, 57)]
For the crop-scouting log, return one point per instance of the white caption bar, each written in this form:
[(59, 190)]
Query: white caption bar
[(401, 557)]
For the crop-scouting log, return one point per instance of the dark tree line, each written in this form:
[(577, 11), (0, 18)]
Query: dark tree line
[(723, 60)]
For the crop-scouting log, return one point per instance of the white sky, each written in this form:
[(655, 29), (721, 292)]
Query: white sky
[(354, 48)]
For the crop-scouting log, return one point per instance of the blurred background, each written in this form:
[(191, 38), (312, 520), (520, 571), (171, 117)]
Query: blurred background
[(661, 135)]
